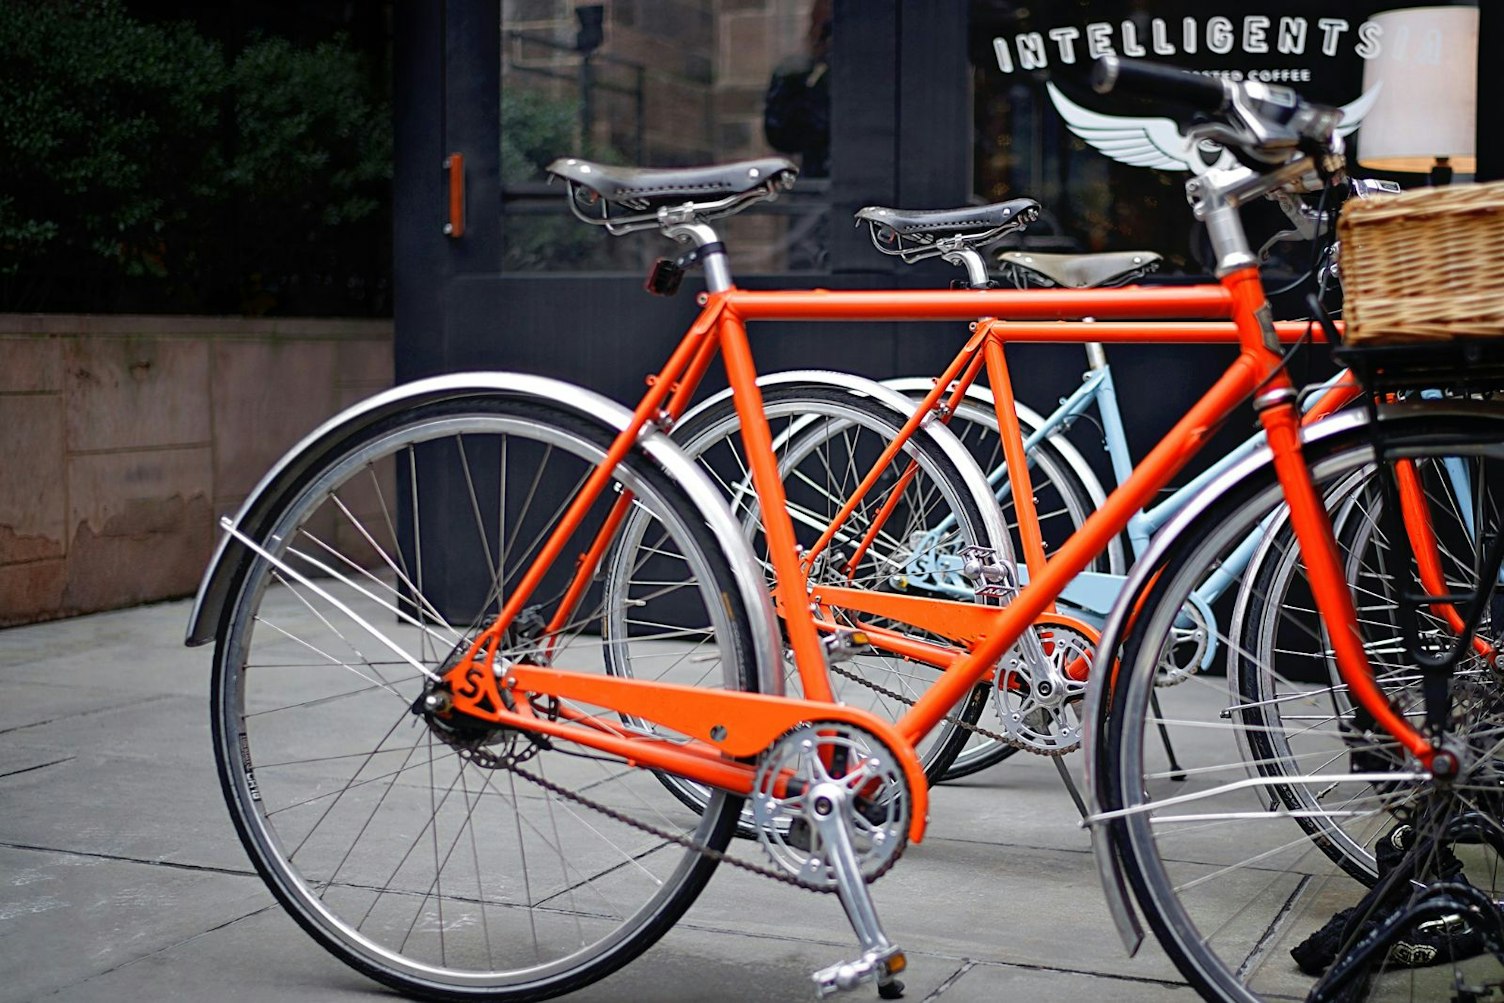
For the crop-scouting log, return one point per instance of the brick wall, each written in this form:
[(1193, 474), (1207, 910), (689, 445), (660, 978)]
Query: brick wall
[(123, 439)]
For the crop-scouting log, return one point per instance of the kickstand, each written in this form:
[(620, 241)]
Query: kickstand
[(1070, 784), (1177, 772)]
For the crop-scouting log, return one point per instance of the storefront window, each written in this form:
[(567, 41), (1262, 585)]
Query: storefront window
[(1111, 174), (659, 83)]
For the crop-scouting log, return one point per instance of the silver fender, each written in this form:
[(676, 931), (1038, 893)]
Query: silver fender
[(1028, 417), (903, 407), (1345, 424), (271, 494)]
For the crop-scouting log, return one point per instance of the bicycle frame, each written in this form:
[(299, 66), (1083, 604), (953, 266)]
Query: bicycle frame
[(1099, 388), (1093, 593), (477, 679)]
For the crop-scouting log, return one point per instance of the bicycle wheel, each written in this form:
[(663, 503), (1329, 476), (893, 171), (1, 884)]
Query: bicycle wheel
[(1284, 666), (1066, 490), (1065, 493), (416, 852), (827, 439), (1248, 840)]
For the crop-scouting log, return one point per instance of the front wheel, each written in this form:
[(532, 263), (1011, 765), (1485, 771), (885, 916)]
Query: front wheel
[(419, 851), (1232, 875)]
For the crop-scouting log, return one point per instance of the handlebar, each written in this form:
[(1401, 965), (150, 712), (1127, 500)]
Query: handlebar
[(1264, 125), (1155, 80)]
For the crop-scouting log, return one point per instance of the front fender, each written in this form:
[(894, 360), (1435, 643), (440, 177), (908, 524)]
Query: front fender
[(271, 495)]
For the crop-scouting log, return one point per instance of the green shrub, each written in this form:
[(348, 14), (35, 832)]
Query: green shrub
[(145, 170), (109, 136)]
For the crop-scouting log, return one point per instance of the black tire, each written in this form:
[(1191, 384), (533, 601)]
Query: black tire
[(1227, 880), (358, 812)]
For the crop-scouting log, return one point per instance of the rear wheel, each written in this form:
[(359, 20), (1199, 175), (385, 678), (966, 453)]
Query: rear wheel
[(416, 848)]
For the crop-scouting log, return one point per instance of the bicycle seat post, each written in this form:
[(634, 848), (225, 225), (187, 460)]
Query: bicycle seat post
[(967, 257), (681, 225)]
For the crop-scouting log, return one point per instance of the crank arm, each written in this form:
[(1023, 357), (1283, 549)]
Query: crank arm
[(880, 960)]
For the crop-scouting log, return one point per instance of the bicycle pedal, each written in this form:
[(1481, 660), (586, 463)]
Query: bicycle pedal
[(846, 644), (876, 965)]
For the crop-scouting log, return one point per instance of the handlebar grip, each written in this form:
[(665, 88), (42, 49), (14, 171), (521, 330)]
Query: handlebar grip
[(1156, 80)]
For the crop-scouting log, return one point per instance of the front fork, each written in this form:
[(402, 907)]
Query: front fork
[(1329, 586)]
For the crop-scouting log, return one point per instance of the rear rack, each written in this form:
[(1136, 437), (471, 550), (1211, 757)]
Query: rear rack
[(1462, 365)]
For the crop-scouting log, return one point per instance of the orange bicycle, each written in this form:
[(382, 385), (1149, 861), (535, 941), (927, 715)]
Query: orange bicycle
[(441, 730)]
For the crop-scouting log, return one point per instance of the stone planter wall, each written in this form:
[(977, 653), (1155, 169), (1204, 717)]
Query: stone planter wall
[(124, 438)]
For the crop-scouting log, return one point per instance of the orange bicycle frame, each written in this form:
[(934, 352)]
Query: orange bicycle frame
[(721, 327)]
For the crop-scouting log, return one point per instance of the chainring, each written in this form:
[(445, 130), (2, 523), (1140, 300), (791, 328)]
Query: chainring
[(1043, 715), (878, 809), (1185, 648)]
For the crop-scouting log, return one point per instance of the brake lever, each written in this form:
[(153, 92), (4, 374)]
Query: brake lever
[(1368, 187), (1308, 223)]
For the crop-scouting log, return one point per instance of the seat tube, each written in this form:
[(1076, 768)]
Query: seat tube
[(1318, 547), (713, 261), (1115, 434), (1013, 451), (790, 592)]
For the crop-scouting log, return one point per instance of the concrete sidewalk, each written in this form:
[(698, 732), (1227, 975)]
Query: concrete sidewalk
[(121, 877)]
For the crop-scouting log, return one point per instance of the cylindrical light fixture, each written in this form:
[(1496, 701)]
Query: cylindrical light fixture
[(1426, 114)]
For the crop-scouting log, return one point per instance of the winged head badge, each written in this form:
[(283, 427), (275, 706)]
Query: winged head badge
[(1146, 141)]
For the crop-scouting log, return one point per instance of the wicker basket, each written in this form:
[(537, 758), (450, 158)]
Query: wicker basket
[(1423, 266)]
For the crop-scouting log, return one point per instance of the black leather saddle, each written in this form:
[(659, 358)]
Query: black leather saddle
[(1083, 271), (975, 224), (650, 187)]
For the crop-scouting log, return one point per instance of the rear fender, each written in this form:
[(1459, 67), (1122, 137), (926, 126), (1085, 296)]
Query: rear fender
[(275, 490)]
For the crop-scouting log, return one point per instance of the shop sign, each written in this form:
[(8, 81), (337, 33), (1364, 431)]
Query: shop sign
[(1157, 142), (1253, 35)]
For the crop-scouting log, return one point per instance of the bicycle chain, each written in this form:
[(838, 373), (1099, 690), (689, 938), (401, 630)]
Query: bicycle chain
[(975, 729), (719, 856)]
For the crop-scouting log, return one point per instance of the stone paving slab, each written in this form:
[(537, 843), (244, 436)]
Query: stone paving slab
[(121, 877), (67, 918)]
